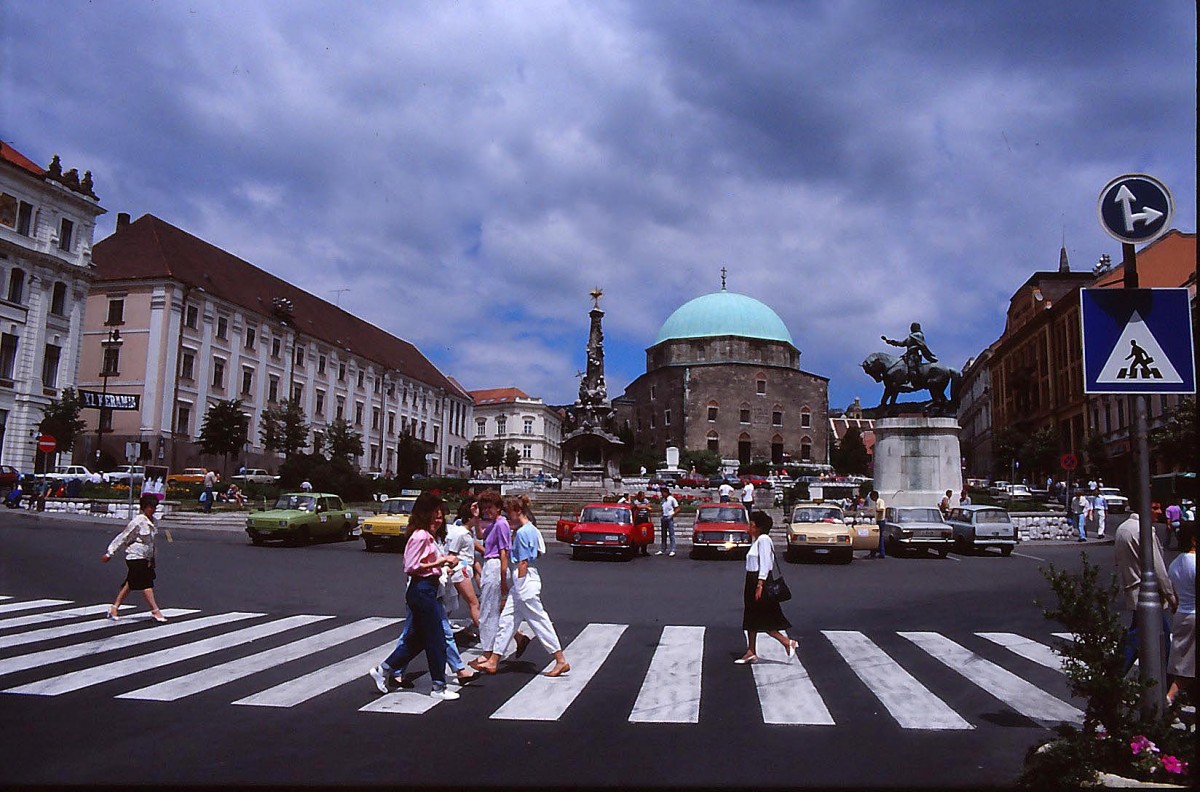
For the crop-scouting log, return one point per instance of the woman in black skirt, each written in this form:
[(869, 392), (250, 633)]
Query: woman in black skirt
[(137, 540), (761, 615)]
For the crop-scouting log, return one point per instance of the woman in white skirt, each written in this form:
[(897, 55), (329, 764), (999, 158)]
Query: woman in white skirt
[(525, 604), (1181, 664)]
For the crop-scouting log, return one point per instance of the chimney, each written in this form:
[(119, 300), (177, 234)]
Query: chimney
[(122, 220)]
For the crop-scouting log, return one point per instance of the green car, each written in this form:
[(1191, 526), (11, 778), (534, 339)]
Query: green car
[(300, 517)]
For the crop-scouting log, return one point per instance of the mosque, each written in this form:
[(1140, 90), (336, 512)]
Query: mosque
[(724, 375)]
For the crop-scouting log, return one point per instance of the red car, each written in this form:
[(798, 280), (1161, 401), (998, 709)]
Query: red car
[(608, 528), (756, 480), (721, 528), (694, 480)]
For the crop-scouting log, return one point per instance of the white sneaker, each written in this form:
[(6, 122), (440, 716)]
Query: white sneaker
[(658, 552), (671, 553), (380, 678), (444, 694)]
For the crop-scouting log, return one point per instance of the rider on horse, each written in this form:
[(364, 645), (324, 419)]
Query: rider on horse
[(914, 350)]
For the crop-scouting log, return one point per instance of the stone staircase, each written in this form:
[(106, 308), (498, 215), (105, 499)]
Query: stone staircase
[(566, 502)]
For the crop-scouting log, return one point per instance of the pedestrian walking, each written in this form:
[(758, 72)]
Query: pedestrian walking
[(210, 484), (497, 546), (1181, 663), (461, 543), (761, 614), (748, 496), (423, 564), (525, 585), (725, 491), (1174, 518), (669, 507), (1127, 541), (137, 540), (880, 509), (1099, 512), (1082, 507)]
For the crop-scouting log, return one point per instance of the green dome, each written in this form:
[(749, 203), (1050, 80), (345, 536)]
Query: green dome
[(724, 313)]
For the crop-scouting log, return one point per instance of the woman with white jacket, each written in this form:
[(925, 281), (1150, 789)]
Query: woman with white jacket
[(137, 540), (761, 615)]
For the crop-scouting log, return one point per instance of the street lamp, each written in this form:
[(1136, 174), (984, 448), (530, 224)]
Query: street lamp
[(112, 356)]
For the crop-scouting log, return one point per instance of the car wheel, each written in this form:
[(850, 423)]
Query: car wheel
[(576, 553), (694, 553), (847, 557), (943, 552), (789, 555), (257, 541), (1006, 551), (629, 554), (303, 536), (892, 547)]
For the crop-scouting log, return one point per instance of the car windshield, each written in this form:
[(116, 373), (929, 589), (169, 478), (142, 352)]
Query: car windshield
[(596, 514), (918, 515), (397, 506), (1106, 491), (992, 516), (813, 515), (723, 514), (301, 502)]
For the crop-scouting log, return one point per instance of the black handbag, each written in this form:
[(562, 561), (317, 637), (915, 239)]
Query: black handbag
[(775, 588)]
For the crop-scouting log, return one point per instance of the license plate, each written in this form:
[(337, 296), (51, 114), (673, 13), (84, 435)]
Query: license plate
[(612, 537), (822, 550)]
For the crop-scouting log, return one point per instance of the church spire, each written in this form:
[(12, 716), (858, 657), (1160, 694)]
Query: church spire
[(1063, 264)]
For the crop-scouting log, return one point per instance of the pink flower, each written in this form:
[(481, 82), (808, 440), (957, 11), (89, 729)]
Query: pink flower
[(1141, 743), (1173, 765)]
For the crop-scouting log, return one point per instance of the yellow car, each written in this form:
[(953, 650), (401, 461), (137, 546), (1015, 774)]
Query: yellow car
[(188, 476), (818, 529), (387, 528)]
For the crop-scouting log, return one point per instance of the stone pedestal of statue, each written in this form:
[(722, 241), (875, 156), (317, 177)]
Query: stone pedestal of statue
[(917, 459), (592, 457)]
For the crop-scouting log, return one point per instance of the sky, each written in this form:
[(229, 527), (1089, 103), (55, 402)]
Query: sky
[(463, 174)]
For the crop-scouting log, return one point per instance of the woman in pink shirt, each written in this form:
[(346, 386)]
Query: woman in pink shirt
[(423, 565)]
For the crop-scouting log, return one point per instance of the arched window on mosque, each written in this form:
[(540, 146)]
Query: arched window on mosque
[(760, 383), (777, 450), (712, 411), (805, 418), (806, 449), (744, 448), (744, 413), (777, 415), (714, 442)]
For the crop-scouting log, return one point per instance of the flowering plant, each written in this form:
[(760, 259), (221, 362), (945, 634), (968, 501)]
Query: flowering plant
[(1147, 758)]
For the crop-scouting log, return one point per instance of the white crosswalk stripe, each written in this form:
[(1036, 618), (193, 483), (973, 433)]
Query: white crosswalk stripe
[(125, 639), (1030, 650), (785, 690), (77, 680), (671, 691), (40, 618), (546, 699), (12, 607), (910, 703), (1026, 698), (236, 669), (301, 689), (50, 633)]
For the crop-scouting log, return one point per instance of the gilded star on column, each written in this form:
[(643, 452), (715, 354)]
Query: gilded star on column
[(596, 294)]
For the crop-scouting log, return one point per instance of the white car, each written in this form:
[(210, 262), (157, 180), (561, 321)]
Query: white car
[(124, 473), (1117, 503), (254, 476), (69, 472)]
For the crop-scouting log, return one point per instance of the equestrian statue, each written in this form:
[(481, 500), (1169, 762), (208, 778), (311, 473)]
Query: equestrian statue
[(917, 369)]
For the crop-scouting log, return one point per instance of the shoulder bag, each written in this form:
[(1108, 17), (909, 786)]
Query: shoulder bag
[(775, 588)]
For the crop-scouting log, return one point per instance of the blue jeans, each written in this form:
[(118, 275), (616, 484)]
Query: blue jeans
[(208, 499), (426, 633), (1129, 648), (668, 533), (1081, 519), (453, 659)]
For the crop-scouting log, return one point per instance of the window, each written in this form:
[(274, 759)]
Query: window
[(805, 419), (527, 451), (422, 435), (391, 422), (777, 450), (218, 371), (404, 428), (319, 406), (183, 418), (652, 392), (744, 448), (714, 442), (321, 364), (712, 412), (360, 378), (480, 427), (223, 327), (8, 355), (341, 372), (744, 414), (50, 365), (116, 312), (187, 366), (112, 361), (25, 219), (340, 407), (58, 299), (297, 392), (298, 358), (666, 417), (247, 381), (191, 317), (806, 449), (16, 285), (528, 425), (376, 384), (501, 425), (276, 346), (652, 424), (776, 417), (272, 388), (358, 413), (251, 337), (375, 418), (66, 234), (760, 386)]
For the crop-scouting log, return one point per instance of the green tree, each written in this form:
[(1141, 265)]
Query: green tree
[(225, 429), (850, 457), (494, 454), (342, 441), (1039, 452), (1006, 442), (705, 461), (1096, 455), (512, 458), (60, 419), (284, 429), (476, 455), (410, 456), (1175, 441)]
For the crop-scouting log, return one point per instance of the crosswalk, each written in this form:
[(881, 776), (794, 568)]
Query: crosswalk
[(54, 647)]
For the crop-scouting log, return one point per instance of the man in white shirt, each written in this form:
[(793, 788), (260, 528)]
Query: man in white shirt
[(725, 491), (669, 507), (1100, 512)]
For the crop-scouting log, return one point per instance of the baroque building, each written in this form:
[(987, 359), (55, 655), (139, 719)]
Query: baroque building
[(47, 221), (724, 375), (199, 324), (523, 422)]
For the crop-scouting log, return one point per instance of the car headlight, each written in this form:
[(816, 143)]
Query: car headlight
[(283, 524), (578, 537)]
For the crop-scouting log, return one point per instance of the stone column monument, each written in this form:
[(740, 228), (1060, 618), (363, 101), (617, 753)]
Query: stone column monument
[(917, 453), (591, 451)]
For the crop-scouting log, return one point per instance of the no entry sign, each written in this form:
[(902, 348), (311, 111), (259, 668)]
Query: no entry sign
[(46, 444)]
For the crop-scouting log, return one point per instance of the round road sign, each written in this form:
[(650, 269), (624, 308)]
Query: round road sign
[(1069, 462), (1135, 208), (46, 444)]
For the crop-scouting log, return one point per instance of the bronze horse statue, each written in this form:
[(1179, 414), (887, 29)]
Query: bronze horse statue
[(893, 373)]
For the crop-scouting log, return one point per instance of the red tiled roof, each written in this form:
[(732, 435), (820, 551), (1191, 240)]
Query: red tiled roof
[(11, 155), (151, 248), (1166, 262), (497, 395)]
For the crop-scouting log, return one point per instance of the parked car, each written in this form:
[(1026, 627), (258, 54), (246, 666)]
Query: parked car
[(1117, 503), (253, 476), (821, 529), (1018, 492), (126, 473), (9, 476), (720, 528), (188, 476), (694, 480), (607, 527), (981, 527), (916, 528), (387, 528), (756, 480), (76, 472), (300, 517), (998, 489)]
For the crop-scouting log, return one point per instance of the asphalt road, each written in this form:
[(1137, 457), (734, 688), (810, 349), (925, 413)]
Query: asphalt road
[(886, 651)]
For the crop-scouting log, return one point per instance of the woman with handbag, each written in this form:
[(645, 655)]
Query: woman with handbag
[(762, 612)]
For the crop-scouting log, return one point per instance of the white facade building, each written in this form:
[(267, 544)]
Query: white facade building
[(521, 422), (199, 325), (47, 220)]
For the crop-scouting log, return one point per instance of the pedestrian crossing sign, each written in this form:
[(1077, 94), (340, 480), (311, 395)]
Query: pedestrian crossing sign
[(1137, 341)]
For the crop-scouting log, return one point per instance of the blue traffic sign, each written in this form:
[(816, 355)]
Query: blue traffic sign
[(1135, 208), (1137, 341)]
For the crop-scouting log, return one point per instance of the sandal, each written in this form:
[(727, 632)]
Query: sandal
[(522, 644), (746, 660), (158, 617), (559, 670), (791, 649), (112, 615)]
